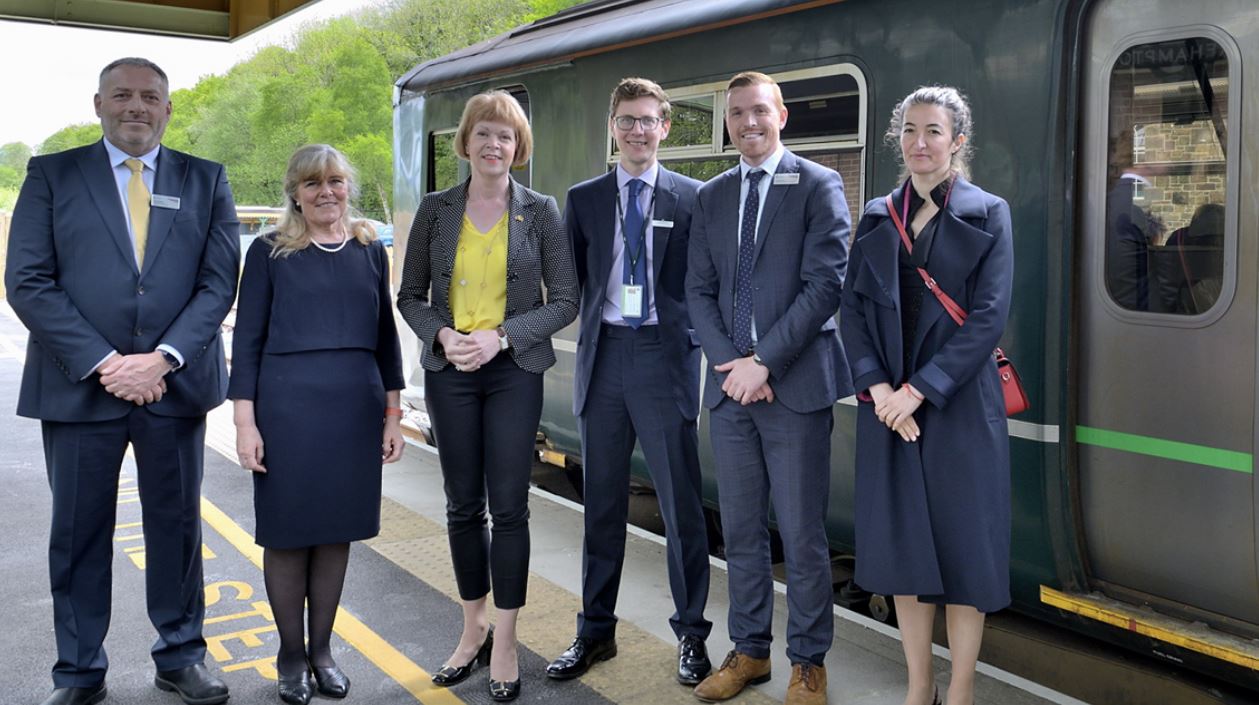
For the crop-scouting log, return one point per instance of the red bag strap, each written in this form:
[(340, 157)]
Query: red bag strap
[(955, 312)]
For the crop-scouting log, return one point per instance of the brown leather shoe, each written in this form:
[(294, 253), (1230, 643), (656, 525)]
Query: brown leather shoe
[(737, 671), (808, 685)]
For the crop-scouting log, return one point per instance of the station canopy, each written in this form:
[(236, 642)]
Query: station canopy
[(203, 19)]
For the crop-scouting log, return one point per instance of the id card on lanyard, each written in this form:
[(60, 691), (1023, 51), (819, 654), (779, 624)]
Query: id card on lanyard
[(632, 293)]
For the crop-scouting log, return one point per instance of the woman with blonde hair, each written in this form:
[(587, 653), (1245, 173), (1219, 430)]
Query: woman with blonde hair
[(478, 257), (933, 457), (316, 375)]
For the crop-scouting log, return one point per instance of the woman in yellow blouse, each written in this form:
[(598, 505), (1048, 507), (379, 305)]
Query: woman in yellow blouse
[(472, 289)]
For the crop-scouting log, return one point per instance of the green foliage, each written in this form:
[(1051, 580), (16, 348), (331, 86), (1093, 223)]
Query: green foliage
[(70, 137), (545, 8), (8, 197), (333, 85), (14, 155)]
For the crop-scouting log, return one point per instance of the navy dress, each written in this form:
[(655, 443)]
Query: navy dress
[(315, 347), (933, 516)]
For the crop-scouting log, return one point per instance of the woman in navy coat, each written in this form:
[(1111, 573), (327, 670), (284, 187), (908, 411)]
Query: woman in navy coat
[(933, 471)]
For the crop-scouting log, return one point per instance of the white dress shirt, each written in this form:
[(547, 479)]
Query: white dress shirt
[(769, 166), (612, 295)]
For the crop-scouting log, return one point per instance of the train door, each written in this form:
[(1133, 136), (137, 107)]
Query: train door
[(1166, 292)]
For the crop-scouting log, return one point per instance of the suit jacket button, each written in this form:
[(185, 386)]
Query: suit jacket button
[(139, 332), (140, 291)]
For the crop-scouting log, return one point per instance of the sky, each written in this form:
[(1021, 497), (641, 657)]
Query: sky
[(51, 71)]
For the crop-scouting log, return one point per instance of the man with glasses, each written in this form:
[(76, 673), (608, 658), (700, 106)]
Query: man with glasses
[(637, 377)]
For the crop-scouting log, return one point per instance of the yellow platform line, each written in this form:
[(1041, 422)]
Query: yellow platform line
[(1214, 644), (388, 659)]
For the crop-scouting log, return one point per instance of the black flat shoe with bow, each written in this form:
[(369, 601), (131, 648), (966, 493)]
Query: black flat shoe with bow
[(504, 691), (447, 676)]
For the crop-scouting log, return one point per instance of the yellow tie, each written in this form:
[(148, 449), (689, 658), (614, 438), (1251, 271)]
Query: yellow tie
[(138, 205)]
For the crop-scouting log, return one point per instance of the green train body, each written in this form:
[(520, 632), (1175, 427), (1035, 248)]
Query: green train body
[(1132, 477)]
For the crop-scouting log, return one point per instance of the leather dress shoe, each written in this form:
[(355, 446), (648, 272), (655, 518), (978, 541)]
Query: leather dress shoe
[(736, 672), (447, 676), (194, 684), (808, 685), (76, 696), (579, 657), (504, 691), (331, 681), (693, 663), (295, 690)]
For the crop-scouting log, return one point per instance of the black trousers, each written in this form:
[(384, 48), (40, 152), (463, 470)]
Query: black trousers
[(485, 423), (83, 462)]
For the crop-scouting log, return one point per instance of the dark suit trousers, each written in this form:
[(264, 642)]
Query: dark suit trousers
[(631, 395), (767, 453), (83, 461), (486, 425)]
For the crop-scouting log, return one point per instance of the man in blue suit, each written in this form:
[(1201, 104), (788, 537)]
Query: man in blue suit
[(769, 245), (637, 377), (122, 262)]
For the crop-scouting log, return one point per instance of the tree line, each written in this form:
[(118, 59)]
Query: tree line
[(332, 84)]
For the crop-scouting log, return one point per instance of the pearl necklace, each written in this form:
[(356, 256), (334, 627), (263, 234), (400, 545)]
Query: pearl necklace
[(344, 239)]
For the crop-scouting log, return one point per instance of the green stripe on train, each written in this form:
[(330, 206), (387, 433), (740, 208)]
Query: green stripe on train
[(1163, 448)]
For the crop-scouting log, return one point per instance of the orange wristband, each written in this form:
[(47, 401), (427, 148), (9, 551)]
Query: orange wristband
[(393, 411)]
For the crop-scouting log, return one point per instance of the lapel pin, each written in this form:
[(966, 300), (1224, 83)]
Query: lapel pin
[(520, 219)]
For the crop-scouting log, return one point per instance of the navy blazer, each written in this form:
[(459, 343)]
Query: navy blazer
[(798, 273), (73, 280), (590, 216)]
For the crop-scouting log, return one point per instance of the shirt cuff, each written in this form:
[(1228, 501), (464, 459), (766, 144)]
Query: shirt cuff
[(174, 352), (97, 365)]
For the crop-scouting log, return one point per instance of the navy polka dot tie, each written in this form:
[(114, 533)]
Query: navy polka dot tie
[(742, 334)]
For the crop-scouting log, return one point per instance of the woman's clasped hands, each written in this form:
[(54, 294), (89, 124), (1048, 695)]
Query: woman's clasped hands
[(469, 351), (895, 408)]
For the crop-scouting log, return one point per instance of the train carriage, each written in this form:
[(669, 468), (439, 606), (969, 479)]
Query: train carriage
[(1115, 129)]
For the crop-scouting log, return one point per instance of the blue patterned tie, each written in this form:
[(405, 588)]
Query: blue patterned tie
[(635, 272), (742, 334)]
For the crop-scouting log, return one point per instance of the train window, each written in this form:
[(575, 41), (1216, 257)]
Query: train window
[(826, 109), (444, 168), (1167, 166), (691, 122)]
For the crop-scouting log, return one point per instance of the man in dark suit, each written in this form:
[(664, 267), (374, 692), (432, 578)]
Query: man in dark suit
[(769, 244), (122, 262), (637, 377)]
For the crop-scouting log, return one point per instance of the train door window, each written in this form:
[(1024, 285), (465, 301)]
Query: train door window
[(1167, 172)]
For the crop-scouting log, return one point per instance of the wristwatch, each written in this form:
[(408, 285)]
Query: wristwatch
[(170, 359), (503, 343), (757, 359)]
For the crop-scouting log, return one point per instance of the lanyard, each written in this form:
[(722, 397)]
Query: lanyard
[(642, 239)]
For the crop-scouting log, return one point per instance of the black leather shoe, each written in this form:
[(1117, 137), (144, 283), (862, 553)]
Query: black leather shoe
[(693, 663), (76, 696), (579, 657), (297, 690), (447, 676), (194, 684), (331, 681), (503, 691)]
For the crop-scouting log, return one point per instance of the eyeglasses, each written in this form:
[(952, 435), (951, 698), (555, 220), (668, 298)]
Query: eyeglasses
[(626, 122)]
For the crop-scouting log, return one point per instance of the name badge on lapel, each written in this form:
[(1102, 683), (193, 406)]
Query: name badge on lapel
[(662, 223), (632, 300), (788, 179), (160, 201)]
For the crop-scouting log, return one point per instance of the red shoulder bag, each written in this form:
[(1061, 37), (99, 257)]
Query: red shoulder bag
[(1011, 385)]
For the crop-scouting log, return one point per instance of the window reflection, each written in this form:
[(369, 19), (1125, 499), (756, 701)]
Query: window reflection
[(1166, 177)]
